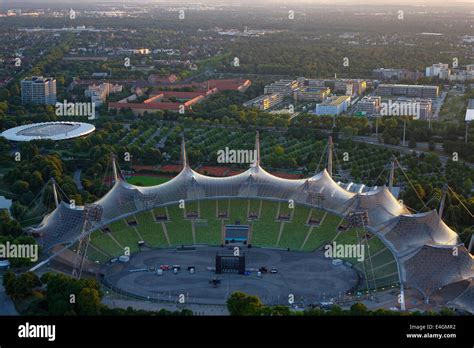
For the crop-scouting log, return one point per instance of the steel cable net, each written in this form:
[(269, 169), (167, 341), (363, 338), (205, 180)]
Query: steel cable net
[(62, 225), (380, 204), (434, 267), (465, 300), (409, 233)]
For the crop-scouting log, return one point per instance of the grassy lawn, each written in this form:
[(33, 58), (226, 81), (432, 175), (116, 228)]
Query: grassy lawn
[(295, 232), (179, 229), (322, 233), (125, 235), (151, 230), (238, 211), (209, 230), (94, 255), (265, 230), (105, 243), (254, 205), (143, 180)]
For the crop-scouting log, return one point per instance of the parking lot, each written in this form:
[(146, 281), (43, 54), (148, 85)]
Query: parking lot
[(308, 276)]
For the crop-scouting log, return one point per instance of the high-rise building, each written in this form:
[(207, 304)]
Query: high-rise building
[(38, 90)]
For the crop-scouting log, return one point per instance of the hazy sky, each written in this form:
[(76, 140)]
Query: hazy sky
[(467, 3)]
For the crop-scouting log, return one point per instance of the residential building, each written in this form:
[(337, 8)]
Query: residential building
[(38, 90)]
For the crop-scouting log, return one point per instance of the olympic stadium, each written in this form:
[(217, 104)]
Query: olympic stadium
[(269, 218), (48, 130)]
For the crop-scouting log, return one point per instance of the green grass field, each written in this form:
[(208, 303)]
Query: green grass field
[(265, 230), (325, 232), (238, 210), (208, 229), (104, 242), (179, 229), (295, 232), (125, 235), (142, 180), (150, 230)]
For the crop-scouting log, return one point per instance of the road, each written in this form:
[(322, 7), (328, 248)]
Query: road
[(77, 179)]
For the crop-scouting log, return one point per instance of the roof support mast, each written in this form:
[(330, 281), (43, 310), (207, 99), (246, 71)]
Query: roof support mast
[(257, 149), (55, 192), (184, 156), (443, 201), (330, 146), (392, 175)]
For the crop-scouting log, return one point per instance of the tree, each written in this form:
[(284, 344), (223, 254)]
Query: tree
[(279, 150), (20, 187), (358, 309), (88, 302), (240, 303), (412, 143)]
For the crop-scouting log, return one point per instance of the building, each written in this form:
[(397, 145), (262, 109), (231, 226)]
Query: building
[(285, 87), (418, 107), (333, 105), (265, 102), (420, 91), (163, 100), (99, 93), (38, 90), (313, 94), (470, 111), (420, 244), (386, 74), (370, 105), (462, 75), (438, 70)]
